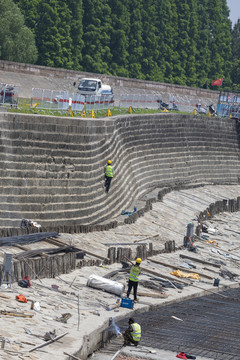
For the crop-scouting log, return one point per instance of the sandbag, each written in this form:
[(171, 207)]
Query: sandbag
[(108, 285)]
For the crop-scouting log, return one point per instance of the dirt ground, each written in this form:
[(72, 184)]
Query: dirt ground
[(88, 307)]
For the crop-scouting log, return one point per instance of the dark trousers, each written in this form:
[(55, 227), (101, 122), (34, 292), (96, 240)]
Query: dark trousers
[(134, 285), (107, 183), (128, 338)]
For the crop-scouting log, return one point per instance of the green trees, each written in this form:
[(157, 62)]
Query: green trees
[(96, 36), (136, 40), (236, 55), (119, 42), (203, 55), (17, 42), (187, 42), (53, 34), (151, 46), (76, 33), (220, 40)]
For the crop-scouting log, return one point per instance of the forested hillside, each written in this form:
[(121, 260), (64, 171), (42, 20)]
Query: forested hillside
[(187, 42)]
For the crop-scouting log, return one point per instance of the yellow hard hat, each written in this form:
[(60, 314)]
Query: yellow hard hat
[(138, 260), (109, 162)]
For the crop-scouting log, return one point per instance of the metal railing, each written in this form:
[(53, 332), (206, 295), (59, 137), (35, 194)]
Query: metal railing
[(52, 100), (139, 101), (9, 94), (170, 102), (228, 105), (99, 102)]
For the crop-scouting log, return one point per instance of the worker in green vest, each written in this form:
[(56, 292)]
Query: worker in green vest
[(108, 175), (132, 334), (133, 278)]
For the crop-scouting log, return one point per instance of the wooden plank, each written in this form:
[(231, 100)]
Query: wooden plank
[(72, 356), (180, 281), (5, 296), (147, 238), (153, 295), (61, 243), (135, 234), (236, 248), (16, 313), (48, 342), (172, 278), (21, 247), (157, 274), (199, 260), (179, 267)]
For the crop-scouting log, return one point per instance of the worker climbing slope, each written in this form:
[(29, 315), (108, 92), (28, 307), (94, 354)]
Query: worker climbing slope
[(133, 278), (108, 175)]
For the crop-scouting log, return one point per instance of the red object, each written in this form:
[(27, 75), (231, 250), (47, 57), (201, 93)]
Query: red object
[(21, 298), (217, 82), (27, 278), (181, 355)]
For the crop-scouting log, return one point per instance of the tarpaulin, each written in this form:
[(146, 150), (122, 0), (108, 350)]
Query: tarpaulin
[(181, 274), (110, 286)]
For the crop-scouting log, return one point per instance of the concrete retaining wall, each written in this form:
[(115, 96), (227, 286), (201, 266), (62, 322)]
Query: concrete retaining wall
[(52, 168), (115, 81)]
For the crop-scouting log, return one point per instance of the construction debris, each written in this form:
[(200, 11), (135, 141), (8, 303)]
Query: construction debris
[(86, 302), (64, 318), (26, 239), (48, 342), (177, 268), (49, 251), (110, 286), (16, 313), (181, 274), (183, 256)]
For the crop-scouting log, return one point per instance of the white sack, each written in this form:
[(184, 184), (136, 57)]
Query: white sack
[(108, 285)]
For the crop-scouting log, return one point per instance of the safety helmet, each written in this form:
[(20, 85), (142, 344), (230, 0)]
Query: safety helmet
[(109, 162), (138, 260)]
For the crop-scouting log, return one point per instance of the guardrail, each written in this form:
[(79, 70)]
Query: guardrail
[(96, 102), (9, 95), (52, 100), (61, 101), (164, 101), (228, 105)]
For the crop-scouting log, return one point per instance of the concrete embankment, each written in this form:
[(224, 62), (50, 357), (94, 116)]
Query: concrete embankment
[(52, 167), (88, 307)]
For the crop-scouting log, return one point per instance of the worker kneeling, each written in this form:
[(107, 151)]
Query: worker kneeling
[(133, 333)]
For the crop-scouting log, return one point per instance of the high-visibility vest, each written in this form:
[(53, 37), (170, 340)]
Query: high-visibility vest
[(134, 273), (136, 333), (109, 171)]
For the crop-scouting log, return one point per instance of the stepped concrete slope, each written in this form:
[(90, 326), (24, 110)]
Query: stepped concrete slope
[(53, 167)]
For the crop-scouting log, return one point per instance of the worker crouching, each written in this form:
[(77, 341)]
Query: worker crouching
[(133, 334)]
